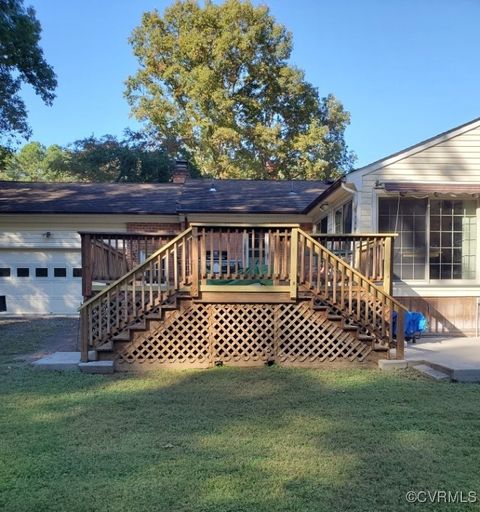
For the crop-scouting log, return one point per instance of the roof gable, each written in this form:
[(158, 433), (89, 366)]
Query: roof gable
[(417, 148)]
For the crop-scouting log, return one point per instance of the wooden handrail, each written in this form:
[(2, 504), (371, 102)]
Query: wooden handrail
[(136, 269), (370, 254), (107, 256), (338, 282), (142, 290), (354, 271)]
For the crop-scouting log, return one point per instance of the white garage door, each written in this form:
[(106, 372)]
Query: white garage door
[(40, 282)]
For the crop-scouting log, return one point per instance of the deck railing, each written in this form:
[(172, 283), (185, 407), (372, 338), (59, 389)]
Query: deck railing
[(331, 278), (108, 256), (370, 254), (139, 292), (241, 253), (270, 257)]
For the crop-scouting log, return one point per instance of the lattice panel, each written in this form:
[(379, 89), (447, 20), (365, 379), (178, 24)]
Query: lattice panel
[(243, 333), (182, 339), (305, 336)]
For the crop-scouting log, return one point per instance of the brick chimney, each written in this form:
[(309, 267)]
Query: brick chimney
[(180, 172)]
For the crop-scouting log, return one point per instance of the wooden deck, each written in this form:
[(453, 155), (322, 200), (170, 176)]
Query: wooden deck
[(244, 295)]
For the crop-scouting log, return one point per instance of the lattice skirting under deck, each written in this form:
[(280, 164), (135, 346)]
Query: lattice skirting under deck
[(202, 335)]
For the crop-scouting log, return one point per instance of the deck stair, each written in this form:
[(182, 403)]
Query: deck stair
[(314, 308)]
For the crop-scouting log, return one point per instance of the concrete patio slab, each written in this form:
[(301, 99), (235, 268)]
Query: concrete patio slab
[(458, 357), (61, 361), (431, 372)]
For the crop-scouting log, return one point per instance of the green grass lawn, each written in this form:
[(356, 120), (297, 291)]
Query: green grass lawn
[(266, 439)]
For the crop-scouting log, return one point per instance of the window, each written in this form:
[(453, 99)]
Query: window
[(41, 272), (453, 239), (60, 272), (407, 217), (23, 272), (323, 225), (3, 303), (77, 272), (446, 250), (343, 218), (4, 272)]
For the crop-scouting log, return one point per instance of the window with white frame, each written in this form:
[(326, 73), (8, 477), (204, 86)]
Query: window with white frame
[(453, 239), (436, 237)]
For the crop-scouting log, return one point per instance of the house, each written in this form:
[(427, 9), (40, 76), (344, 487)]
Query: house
[(40, 246), (199, 272), (429, 195)]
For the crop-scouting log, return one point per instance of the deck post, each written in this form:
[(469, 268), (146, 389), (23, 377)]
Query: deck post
[(400, 351), (84, 335), (293, 262), (86, 265), (387, 265), (195, 276)]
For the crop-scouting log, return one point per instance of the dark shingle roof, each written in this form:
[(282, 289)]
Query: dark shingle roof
[(242, 196), (26, 197), (249, 196)]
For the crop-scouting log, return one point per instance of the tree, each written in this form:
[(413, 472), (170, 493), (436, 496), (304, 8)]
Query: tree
[(215, 82), (21, 61), (35, 162), (107, 159)]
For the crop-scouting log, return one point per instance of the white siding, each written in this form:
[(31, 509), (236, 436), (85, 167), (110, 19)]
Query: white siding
[(453, 160), (24, 243)]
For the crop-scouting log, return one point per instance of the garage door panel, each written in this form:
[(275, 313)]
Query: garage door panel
[(41, 295)]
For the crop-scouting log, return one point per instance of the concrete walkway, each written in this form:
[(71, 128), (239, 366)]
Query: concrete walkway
[(458, 357), (63, 361), (59, 361)]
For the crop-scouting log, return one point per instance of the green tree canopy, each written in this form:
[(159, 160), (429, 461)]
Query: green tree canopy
[(21, 61), (104, 159), (108, 159), (36, 162), (215, 82)]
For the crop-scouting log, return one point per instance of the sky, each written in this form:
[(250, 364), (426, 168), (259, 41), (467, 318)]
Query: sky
[(406, 70)]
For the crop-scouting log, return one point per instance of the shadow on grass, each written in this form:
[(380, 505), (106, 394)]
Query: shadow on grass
[(267, 439)]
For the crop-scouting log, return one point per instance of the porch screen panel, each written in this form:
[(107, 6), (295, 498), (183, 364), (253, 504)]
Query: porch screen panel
[(453, 239), (407, 217)]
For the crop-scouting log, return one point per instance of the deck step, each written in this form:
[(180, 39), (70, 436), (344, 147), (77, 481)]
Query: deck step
[(428, 371), (107, 346), (96, 367), (335, 318), (123, 336), (365, 337), (139, 326), (154, 316)]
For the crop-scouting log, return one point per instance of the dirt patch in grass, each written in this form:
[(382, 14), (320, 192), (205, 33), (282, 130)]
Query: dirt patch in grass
[(27, 339)]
